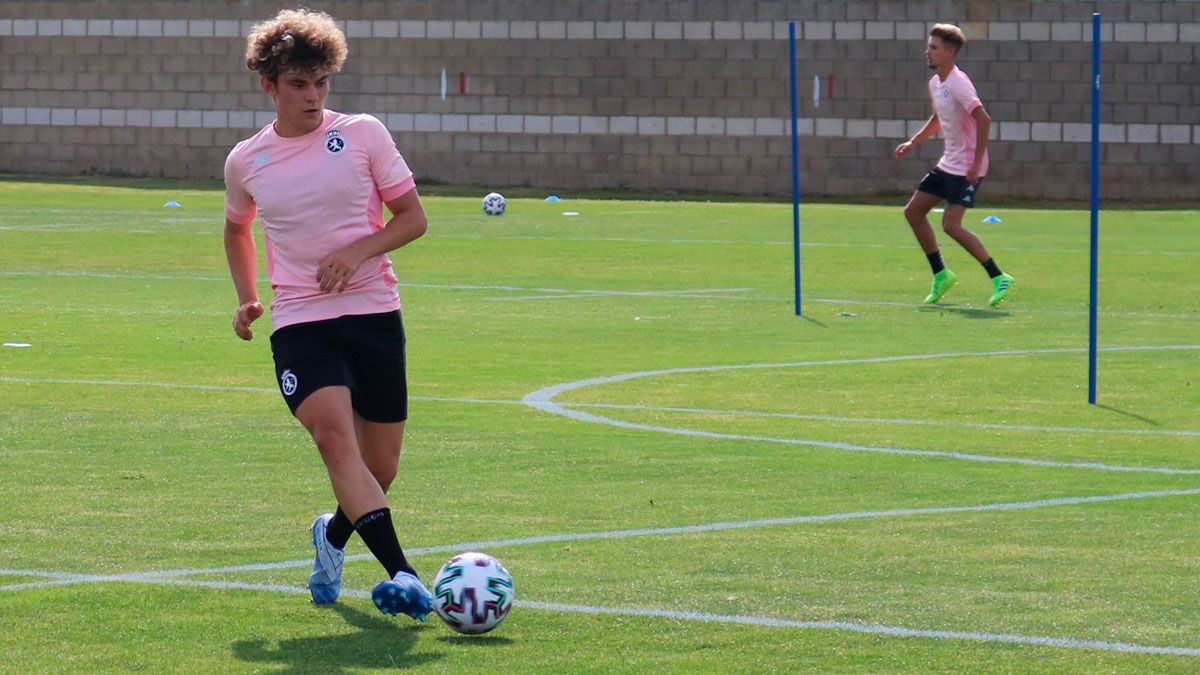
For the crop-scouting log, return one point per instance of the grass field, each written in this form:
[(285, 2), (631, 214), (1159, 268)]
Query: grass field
[(681, 474)]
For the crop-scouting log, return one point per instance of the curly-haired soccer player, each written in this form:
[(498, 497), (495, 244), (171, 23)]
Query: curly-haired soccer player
[(318, 180)]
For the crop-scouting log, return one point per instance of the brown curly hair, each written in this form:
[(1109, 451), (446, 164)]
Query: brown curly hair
[(296, 39)]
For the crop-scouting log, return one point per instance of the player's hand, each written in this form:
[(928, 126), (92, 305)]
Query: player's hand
[(903, 149), (244, 316), (335, 270), (973, 174)]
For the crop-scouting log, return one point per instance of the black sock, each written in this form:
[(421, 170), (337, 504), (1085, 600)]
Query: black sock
[(379, 535), (935, 261), (339, 529), (991, 268)]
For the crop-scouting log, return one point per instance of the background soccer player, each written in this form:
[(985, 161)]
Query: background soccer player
[(318, 180), (964, 122)]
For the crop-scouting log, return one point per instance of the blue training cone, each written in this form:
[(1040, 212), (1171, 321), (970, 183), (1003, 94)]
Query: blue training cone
[(992, 219)]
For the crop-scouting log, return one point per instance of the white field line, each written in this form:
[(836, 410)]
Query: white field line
[(100, 211), (590, 292), (744, 620), (886, 420), (648, 408), (580, 293), (803, 244), (696, 292), (543, 399), (67, 578), (869, 629), (174, 577), (83, 226), (148, 385), (573, 292), (118, 275), (714, 293), (951, 307)]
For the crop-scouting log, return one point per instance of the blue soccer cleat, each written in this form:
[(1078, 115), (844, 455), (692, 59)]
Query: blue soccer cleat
[(403, 594), (325, 582)]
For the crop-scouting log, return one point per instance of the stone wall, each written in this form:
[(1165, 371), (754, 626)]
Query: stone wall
[(688, 95)]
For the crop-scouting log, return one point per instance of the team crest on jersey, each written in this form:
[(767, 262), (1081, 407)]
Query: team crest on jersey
[(335, 143)]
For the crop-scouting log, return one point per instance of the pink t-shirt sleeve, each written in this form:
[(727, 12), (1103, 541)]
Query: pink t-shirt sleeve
[(239, 205), (963, 93), (392, 175)]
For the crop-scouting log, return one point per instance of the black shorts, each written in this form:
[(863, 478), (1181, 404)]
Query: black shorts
[(954, 189), (364, 352)]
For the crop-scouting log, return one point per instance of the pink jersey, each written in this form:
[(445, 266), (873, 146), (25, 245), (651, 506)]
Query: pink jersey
[(317, 193), (954, 100)]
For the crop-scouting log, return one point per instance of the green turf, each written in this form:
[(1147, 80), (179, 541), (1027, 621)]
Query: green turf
[(137, 434)]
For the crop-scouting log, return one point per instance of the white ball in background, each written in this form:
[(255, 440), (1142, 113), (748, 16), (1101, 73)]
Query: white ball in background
[(494, 204)]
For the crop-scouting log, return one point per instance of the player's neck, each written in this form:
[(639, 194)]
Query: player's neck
[(944, 71), (294, 128)]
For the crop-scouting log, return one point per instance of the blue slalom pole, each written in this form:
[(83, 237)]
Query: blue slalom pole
[(1095, 208), (795, 165)]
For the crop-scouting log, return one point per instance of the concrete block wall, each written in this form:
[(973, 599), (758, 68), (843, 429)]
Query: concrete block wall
[(644, 94)]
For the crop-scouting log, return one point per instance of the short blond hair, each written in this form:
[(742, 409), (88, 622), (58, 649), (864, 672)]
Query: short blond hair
[(296, 39), (950, 34)]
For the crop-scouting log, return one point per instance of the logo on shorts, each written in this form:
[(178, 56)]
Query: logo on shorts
[(288, 382), (334, 142)]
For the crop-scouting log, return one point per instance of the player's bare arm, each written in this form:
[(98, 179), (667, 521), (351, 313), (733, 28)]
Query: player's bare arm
[(983, 126), (408, 223), (932, 126), (243, 267)]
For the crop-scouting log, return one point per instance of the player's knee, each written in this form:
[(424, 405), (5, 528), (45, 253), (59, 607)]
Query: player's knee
[(913, 215), (385, 474), (335, 445)]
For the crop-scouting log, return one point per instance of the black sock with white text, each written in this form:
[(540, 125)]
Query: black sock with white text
[(379, 534)]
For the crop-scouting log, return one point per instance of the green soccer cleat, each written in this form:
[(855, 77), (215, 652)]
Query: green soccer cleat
[(942, 282), (1000, 288)]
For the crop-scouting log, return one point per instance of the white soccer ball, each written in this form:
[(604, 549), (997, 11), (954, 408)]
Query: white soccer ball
[(473, 592), (494, 203)]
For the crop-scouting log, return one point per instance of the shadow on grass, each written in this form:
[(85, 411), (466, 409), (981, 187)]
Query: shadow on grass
[(475, 641), (1135, 416), (968, 312), (378, 643)]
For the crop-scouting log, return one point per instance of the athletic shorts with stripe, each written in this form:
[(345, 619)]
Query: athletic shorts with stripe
[(954, 189)]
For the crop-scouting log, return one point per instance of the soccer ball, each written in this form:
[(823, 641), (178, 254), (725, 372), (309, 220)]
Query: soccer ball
[(493, 204), (473, 592)]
